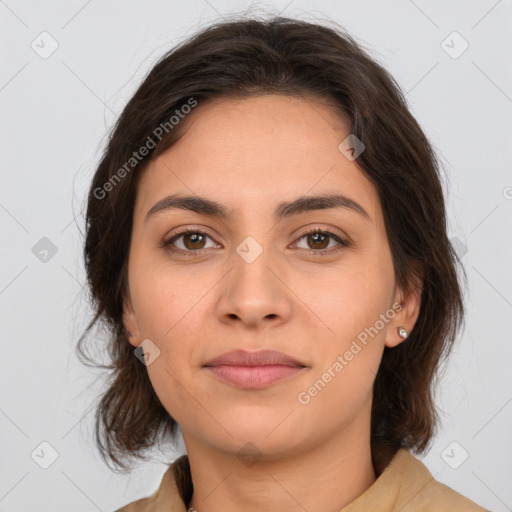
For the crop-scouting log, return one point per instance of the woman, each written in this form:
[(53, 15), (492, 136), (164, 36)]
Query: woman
[(266, 240)]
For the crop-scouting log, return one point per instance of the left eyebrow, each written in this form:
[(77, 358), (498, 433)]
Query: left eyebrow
[(210, 208)]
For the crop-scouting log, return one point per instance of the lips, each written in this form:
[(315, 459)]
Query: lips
[(260, 358), (254, 370)]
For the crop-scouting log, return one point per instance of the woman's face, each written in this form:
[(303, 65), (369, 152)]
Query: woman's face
[(255, 280)]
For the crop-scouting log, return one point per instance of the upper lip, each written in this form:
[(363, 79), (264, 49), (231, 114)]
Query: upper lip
[(258, 358)]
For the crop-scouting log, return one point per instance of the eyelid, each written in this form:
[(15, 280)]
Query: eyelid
[(166, 243), (323, 229), (342, 240)]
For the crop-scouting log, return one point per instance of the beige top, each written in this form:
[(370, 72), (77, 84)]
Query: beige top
[(405, 485)]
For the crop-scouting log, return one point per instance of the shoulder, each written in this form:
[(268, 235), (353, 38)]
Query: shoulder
[(406, 485), (168, 496), (421, 492), (141, 505), (438, 497)]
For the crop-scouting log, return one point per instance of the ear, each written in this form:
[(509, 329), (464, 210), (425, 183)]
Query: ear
[(407, 308), (130, 322)]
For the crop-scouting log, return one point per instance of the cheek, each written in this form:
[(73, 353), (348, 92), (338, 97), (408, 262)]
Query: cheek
[(161, 295), (350, 300), (350, 350), (356, 310), (168, 306), (164, 306)]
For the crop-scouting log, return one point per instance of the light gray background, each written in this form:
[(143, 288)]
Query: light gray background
[(55, 113)]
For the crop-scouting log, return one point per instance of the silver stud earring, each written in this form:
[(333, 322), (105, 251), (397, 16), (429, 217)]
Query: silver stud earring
[(402, 332)]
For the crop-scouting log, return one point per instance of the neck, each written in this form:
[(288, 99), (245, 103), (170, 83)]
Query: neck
[(325, 477)]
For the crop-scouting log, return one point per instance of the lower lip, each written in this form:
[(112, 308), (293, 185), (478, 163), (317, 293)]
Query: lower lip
[(254, 377)]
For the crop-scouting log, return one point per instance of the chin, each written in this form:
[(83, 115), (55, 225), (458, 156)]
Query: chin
[(272, 436)]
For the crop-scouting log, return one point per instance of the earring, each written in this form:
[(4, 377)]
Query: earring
[(402, 332)]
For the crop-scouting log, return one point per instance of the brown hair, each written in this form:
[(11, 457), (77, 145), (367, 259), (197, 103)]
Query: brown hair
[(284, 56)]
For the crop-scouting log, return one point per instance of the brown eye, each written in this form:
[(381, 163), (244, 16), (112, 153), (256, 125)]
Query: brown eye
[(318, 241), (193, 241)]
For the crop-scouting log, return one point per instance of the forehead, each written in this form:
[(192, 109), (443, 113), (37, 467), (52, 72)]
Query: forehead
[(252, 152)]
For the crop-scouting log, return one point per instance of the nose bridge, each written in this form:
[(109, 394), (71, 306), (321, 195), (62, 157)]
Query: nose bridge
[(254, 291), (253, 260), (256, 234)]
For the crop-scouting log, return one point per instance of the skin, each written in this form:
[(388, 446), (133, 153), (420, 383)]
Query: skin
[(251, 154)]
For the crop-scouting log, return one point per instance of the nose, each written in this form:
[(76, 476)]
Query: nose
[(254, 292)]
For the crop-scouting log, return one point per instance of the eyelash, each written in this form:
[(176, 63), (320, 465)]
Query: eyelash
[(167, 244)]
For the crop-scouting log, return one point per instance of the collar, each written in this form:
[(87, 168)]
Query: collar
[(405, 484)]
